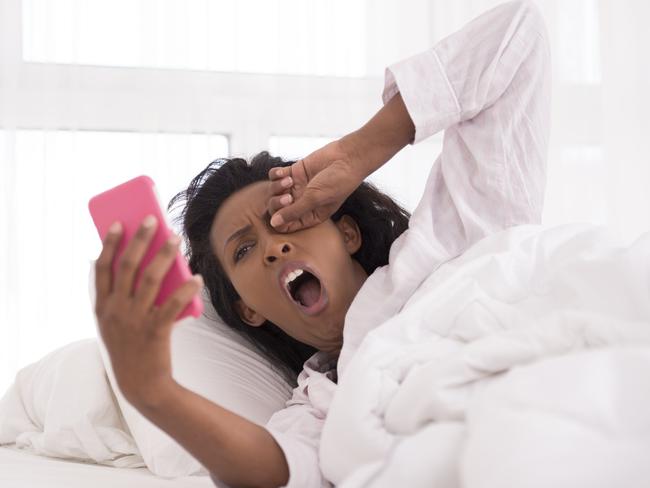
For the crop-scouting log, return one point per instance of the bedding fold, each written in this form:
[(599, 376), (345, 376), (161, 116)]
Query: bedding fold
[(63, 406), (530, 323)]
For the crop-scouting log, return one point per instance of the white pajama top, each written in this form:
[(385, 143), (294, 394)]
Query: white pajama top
[(488, 87)]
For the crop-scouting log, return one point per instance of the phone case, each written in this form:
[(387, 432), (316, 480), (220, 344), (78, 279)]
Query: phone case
[(130, 203)]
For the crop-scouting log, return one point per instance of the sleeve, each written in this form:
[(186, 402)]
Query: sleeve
[(488, 87), (297, 429)]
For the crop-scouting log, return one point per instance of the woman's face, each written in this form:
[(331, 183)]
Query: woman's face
[(256, 259)]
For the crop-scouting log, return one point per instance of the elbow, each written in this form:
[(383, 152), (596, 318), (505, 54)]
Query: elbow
[(216, 481), (531, 15)]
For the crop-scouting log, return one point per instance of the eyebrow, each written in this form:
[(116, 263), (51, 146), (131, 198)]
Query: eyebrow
[(266, 217)]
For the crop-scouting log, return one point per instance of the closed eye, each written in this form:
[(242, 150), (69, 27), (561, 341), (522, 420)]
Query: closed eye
[(239, 252)]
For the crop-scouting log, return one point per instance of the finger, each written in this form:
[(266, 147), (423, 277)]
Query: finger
[(292, 213), (130, 259), (178, 300), (276, 203), (282, 185), (279, 172), (290, 227), (103, 265), (155, 272), (305, 221)]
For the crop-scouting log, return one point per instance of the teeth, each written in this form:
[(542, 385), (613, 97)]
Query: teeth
[(292, 276)]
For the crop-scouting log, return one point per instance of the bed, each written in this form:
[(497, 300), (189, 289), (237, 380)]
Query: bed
[(22, 469)]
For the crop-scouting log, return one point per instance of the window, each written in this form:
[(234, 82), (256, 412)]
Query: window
[(44, 201), (578, 35), (262, 36), (296, 147)]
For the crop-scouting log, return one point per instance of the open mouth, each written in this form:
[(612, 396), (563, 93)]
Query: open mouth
[(307, 292)]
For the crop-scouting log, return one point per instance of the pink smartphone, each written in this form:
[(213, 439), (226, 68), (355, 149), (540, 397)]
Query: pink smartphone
[(130, 203)]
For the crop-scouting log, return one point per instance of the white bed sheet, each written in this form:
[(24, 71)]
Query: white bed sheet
[(22, 469)]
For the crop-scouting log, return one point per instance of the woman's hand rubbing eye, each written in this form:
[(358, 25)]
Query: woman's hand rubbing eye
[(310, 190)]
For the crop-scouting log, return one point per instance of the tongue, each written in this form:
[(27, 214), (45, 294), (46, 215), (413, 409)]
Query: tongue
[(309, 292)]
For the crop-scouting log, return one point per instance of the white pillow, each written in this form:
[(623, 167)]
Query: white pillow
[(214, 361), (62, 406)]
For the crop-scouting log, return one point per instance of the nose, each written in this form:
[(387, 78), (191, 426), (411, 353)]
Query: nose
[(276, 248)]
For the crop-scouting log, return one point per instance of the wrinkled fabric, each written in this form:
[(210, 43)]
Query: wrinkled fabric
[(62, 406), (515, 300)]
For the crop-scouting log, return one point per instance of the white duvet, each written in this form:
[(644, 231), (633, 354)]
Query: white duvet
[(523, 362)]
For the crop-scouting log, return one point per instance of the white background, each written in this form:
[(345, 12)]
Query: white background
[(93, 92)]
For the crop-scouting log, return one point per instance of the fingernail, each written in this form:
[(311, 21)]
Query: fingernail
[(149, 221), (285, 199), (198, 278), (277, 220), (115, 228), (286, 182), (174, 240)]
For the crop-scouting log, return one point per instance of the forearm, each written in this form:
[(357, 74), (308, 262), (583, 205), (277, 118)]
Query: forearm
[(385, 134), (233, 449)]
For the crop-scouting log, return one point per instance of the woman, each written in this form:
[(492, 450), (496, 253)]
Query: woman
[(488, 87)]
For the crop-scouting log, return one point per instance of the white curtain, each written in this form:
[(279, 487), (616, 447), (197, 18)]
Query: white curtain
[(624, 109), (93, 92)]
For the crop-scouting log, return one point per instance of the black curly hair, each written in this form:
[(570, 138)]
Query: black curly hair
[(380, 219)]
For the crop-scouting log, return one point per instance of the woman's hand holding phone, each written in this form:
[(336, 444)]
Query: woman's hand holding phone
[(136, 332)]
